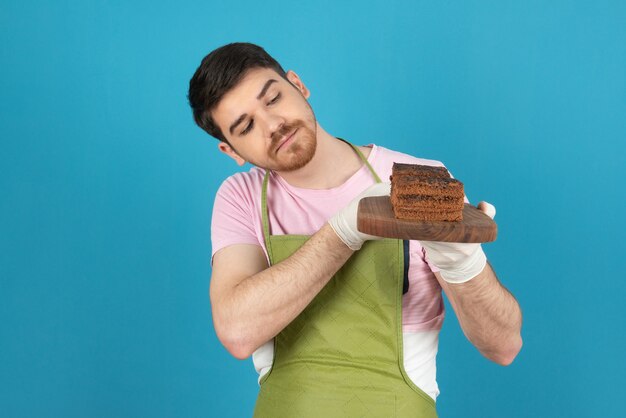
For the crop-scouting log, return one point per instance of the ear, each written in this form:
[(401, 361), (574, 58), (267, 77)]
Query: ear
[(228, 150), (295, 80)]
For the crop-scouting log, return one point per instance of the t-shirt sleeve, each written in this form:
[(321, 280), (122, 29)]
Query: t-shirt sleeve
[(233, 216)]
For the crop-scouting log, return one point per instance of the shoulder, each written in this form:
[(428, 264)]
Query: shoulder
[(235, 218), (383, 158), (386, 155), (242, 185)]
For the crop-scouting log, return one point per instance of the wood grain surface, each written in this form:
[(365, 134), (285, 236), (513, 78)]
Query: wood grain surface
[(375, 217)]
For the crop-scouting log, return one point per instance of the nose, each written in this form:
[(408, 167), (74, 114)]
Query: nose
[(274, 123)]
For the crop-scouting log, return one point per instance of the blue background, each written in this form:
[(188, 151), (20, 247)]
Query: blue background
[(107, 189)]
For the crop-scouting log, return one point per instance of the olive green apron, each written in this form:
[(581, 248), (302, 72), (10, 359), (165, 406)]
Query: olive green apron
[(342, 356)]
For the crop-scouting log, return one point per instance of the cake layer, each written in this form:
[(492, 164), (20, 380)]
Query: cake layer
[(400, 169), (428, 202), (429, 186)]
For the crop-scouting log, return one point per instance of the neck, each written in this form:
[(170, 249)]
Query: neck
[(334, 162)]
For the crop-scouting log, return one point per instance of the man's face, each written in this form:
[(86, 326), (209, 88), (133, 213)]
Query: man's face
[(268, 121)]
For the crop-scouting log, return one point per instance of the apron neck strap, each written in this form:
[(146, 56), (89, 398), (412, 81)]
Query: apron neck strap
[(367, 163), (265, 216)]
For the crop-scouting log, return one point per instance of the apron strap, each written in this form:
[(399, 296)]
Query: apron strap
[(367, 163), (265, 216)]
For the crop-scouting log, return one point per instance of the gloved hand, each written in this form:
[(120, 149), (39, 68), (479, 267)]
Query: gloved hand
[(458, 262), (344, 221)]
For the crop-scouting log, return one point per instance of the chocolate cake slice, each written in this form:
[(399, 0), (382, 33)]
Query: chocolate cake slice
[(425, 193)]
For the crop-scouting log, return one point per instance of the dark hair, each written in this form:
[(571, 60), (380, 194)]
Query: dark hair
[(218, 73)]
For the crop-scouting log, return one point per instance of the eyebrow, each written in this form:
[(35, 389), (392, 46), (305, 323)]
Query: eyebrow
[(240, 119)]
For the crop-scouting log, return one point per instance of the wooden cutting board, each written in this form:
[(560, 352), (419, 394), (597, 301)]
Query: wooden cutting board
[(375, 217)]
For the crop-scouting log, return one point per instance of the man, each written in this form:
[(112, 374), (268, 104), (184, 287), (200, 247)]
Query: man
[(339, 323)]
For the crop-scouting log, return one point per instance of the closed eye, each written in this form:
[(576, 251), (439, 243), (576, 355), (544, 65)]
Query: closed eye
[(275, 99), (248, 128)]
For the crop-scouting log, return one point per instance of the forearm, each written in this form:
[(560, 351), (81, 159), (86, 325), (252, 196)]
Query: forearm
[(262, 305), (488, 314)]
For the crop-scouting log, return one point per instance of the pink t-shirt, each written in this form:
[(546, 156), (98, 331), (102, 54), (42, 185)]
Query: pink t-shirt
[(292, 210)]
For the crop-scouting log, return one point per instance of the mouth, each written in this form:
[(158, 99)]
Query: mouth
[(286, 140)]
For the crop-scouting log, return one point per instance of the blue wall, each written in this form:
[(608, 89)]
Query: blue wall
[(107, 188)]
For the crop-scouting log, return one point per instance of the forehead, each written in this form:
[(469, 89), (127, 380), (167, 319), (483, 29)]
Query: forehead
[(245, 91)]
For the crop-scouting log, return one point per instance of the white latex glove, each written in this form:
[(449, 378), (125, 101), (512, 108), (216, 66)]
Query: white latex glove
[(458, 262), (344, 221)]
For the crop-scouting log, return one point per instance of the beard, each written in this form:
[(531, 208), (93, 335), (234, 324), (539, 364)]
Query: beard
[(299, 152)]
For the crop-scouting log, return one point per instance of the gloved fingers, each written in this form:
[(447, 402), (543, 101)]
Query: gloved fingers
[(344, 222), (449, 249), (457, 262), (487, 208)]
